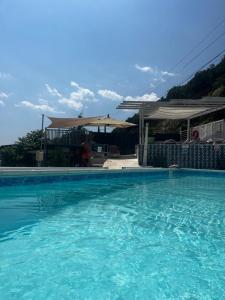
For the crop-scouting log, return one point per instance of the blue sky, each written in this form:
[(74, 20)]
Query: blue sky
[(62, 57)]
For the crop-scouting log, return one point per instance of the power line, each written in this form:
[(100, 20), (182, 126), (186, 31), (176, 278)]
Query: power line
[(192, 50), (198, 44), (196, 56), (202, 67), (204, 49), (195, 71)]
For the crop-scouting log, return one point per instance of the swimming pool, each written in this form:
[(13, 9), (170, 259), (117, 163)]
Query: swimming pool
[(153, 235)]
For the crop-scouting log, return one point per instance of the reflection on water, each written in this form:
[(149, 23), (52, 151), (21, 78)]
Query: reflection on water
[(114, 239), (24, 205)]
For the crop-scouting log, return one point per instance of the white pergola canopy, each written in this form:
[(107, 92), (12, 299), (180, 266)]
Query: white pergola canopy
[(176, 113), (174, 109)]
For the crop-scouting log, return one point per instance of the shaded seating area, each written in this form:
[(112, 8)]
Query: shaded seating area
[(64, 138), (182, 152)]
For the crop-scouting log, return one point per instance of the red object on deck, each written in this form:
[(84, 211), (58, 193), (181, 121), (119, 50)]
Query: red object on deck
[(195, 134)]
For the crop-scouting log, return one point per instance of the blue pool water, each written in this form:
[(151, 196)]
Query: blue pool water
[(144, 237)]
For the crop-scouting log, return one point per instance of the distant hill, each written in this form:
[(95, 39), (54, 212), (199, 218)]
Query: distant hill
[(209, 82)]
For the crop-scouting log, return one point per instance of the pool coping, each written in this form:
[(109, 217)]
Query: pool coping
[(86, 173), (38, 171), (24, 176), (35, 176), (20, 170)]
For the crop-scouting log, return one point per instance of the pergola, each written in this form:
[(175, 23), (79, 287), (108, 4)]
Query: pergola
[(175, 109)]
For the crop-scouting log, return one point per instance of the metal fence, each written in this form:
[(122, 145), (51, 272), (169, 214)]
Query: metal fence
[(214, 130), (67, 137), (210, 131), (196, 156)]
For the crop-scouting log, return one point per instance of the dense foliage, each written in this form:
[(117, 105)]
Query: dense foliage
[(22, 153), (209, 82)]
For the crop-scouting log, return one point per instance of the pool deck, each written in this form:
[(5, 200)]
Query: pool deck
[(110, 164), (121, 163)]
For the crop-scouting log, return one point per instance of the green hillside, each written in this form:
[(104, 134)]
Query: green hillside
[(209, 82)]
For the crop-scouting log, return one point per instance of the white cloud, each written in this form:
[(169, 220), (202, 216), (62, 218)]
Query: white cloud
[(81, 93), (156, 71), (43, 101), (80, 96), (77, 97), (170, 74), (5, 75), (159, 79), (146, 97), (110, 95), (52, 91), (3, 95), (41, 107), (74, 84), (145, 69), (71, 103)]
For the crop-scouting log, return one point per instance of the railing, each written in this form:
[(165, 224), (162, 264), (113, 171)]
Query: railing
[(214, 130), (183, 135), (68, 137), (210, 131)]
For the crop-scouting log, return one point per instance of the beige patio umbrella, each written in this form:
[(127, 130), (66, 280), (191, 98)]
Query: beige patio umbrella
[(91, 121), (109, 122)]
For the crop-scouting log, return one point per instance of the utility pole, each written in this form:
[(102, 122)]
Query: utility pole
[(40, 154), (42, 122), (42, 128)]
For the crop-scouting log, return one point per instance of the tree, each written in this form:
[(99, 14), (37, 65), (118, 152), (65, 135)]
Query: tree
[(204, 83), (31, 141), (22, 153)]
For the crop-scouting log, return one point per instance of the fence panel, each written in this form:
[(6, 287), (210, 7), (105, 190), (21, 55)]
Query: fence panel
[(197, 156)]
